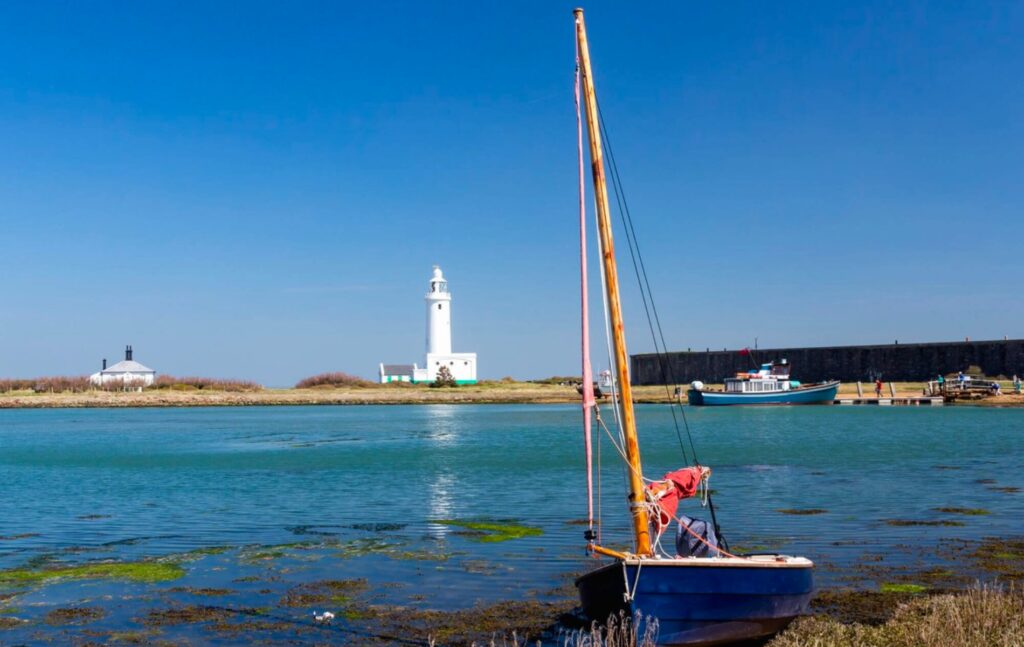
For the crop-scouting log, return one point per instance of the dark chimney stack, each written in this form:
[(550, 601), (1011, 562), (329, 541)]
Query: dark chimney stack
[(104, 363), (128, 353)]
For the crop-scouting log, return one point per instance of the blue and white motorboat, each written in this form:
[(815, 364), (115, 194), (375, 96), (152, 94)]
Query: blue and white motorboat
[(770, 384)]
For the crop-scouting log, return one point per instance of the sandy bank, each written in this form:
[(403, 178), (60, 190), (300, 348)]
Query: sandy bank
[(484, 394), (488, 393)]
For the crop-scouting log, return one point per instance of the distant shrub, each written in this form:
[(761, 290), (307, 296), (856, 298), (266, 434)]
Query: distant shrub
[(52, 384), (444, 378), (332, 380), (62, 384), (8, 385), (562, 380), (203, 384)]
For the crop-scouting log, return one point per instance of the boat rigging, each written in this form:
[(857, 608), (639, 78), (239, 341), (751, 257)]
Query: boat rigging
[(701, 594)]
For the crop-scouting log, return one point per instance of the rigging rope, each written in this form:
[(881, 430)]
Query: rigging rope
[(650, 310)]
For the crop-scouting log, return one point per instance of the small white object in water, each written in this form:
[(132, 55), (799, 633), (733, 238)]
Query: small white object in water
[(326, 616)]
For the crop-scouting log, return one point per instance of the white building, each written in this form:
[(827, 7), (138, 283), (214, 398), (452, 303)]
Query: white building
[(462, 366), (127, 373)]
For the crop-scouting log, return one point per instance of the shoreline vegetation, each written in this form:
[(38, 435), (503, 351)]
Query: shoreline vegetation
[(343, 389)]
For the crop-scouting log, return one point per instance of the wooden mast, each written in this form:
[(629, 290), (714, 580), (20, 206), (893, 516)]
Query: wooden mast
[(641, 525)]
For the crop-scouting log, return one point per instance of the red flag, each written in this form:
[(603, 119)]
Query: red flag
[(745, 351)]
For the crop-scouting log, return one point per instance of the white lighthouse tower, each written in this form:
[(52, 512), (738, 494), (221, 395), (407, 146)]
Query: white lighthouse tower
[(462, 366), (439, 315)]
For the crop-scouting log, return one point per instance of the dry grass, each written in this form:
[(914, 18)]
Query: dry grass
[(52, 384), (987, 616), (203, 383), (619, 631)]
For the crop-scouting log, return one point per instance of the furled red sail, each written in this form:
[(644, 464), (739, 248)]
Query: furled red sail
[(673, 488)]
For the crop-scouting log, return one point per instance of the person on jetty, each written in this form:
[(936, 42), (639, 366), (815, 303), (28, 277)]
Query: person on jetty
[(878, 388), (1016, 385), (996, 389)]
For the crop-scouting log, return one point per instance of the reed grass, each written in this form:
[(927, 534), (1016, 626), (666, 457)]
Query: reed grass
[(987, 616), (619, 630)]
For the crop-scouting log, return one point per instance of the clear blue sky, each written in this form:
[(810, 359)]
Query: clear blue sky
[(259, 189)]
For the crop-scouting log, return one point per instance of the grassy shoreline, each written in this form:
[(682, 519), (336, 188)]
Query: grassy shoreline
[(484, 393)]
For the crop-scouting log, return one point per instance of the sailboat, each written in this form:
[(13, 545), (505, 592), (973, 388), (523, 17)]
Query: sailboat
[(700, 593)]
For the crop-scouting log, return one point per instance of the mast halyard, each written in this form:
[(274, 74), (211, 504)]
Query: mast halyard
[(637, 496)]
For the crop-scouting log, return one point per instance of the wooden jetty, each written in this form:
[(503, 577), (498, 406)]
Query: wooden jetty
[(923, 401)]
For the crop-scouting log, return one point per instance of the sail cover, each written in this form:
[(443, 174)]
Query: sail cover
[(673, 488)]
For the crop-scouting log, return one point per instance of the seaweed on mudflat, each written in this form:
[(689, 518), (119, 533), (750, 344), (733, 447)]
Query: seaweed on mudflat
[(801, 511), (146, 571), (965, 511), (73, 615), (489, 531)]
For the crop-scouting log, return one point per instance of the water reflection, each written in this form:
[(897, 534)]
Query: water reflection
[(441, 425), (441, 501)]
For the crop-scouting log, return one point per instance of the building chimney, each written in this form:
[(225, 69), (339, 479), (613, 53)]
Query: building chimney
[(104, 364), (128, 353)]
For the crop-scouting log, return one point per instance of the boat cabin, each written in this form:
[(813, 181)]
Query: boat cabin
[(772, 377)]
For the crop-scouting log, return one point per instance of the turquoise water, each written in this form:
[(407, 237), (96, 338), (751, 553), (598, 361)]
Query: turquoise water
[(80, 485)]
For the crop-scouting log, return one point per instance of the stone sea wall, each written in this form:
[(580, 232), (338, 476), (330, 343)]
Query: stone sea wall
[(891, 362)]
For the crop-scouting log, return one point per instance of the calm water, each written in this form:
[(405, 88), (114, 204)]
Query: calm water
[(83, 485)]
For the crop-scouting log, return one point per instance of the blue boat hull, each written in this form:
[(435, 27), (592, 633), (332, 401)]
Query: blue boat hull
[(699, 604), (818, 394)]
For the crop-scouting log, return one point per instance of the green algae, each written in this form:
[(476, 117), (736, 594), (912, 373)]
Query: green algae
[(491, 531), (208, 592), (313, 594), (208, 550), (147, 572), (892, 587), (355, 614), (965, 511), (418, 556), (913, 522)]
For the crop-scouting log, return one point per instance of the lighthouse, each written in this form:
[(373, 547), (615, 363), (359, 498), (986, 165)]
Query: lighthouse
[(439, 315), (461, 366)]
